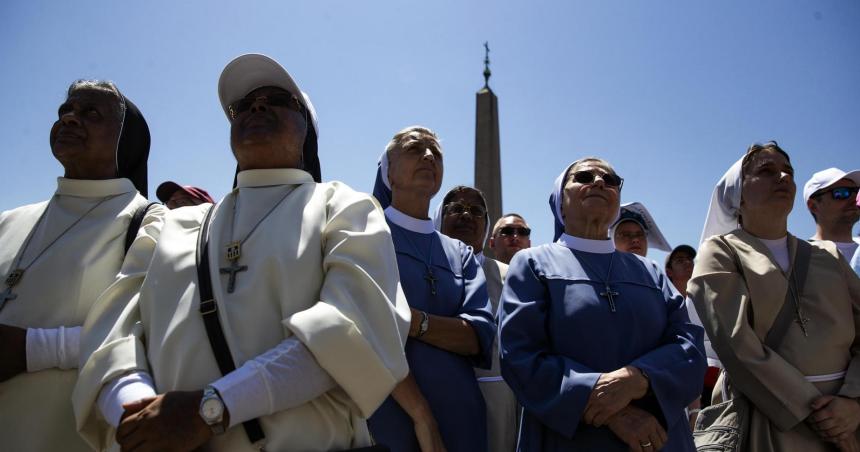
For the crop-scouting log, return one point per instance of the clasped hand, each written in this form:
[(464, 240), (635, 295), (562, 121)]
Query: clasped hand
[(836, 420), (612, 392), (166, 422)]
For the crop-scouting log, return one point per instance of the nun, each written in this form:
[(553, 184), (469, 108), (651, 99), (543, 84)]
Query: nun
[(636, 230), (439, 406), (595, 343), (783, 316), (463, 215), (59, 255), (298, 339)]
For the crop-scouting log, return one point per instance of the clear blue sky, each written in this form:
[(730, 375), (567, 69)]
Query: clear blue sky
[(671, 92)]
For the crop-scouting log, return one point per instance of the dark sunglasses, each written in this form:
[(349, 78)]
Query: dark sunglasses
[(511, 231), (456, 208), (244, 104), (588, 177), (840, 193)]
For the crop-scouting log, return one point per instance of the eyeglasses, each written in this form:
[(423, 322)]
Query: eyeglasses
[(244, 104), (588, 177), (840, 193), (456, 208), (510, 231)]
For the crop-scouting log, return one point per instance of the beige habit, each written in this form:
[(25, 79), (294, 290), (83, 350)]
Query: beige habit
[(782, 383), (58, 289), (321, 268)]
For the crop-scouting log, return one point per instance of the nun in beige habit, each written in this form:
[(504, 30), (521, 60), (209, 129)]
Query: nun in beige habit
[(788, 342)]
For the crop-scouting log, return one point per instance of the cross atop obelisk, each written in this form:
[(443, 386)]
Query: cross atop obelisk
[(487, 72), (488, 174)]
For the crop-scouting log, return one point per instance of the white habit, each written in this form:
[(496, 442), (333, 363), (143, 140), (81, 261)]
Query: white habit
[(58, 290)]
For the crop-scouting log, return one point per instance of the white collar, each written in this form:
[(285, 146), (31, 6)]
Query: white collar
[(588, 245), (480, 257), (780, 242), (406, 222), (272, 176), (93, 188)]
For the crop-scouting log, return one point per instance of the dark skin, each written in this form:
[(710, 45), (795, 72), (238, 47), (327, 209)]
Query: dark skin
[(264, 136), (13, 353), (83, 139)]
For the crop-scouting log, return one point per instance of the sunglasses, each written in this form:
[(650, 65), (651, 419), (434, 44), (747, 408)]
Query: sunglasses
[(588, 177), (840, 193), (244, 104), (510, 231), (456, 208)]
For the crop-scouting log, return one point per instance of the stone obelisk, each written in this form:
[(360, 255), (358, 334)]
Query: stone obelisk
[(488, 173)]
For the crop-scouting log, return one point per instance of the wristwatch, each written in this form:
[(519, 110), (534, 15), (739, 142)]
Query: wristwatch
[(424, 325), (212, 410)]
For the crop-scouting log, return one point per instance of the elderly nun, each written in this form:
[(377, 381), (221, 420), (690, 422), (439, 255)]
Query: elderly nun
[(594, 342), (59, 255), (439, 405)]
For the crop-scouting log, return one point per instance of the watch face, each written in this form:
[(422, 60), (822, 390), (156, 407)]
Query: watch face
[(211, 410)]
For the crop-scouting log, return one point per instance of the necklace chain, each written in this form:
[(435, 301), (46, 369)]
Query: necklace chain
[(608, 292), (16, 273), (429, 266)]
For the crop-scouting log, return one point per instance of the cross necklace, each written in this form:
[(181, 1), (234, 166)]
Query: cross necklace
[(14, 276), (234, 248), (429, 266), (798, 312), (607, 292)]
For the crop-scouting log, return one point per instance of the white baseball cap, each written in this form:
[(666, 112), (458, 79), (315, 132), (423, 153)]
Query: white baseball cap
[(826, 178), (253, 70)]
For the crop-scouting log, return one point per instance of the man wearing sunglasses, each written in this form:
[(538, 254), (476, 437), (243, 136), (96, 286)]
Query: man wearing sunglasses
[(510, 234), (831, 199)]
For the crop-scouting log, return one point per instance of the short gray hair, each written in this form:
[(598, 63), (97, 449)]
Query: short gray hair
[(403, 136), (100, 85)]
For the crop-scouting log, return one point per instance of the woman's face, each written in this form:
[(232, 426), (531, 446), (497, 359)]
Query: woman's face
[(768, 185), (593, 202), (416, 166), (84, 137)]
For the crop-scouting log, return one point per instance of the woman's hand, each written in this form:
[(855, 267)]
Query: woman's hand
[(13, 351), (848, 443), (612, 392), (638, 429), (834, 416), (427, 433)]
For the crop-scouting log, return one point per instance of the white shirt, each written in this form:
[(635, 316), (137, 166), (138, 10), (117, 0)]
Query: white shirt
[(779, 249)]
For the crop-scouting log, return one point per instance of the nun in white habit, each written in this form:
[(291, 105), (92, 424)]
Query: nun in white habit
[(57, 257), (305, 288)]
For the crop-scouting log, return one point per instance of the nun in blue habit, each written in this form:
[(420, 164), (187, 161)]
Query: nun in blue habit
[(452, 327), (594, 342)]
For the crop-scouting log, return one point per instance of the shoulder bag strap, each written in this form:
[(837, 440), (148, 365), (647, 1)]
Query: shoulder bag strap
[(134, 225), (796, 280), (209, 312)]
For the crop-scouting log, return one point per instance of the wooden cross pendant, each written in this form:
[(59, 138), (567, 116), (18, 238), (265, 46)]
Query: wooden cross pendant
[(430, 279), (610, 295), (11, 280), (7, 295), (232, 270)]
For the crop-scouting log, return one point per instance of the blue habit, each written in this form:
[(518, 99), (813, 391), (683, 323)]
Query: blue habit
[(446, 379), (558, 334)]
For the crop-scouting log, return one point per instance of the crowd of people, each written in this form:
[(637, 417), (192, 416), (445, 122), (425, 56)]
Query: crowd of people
[(301, 315)]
